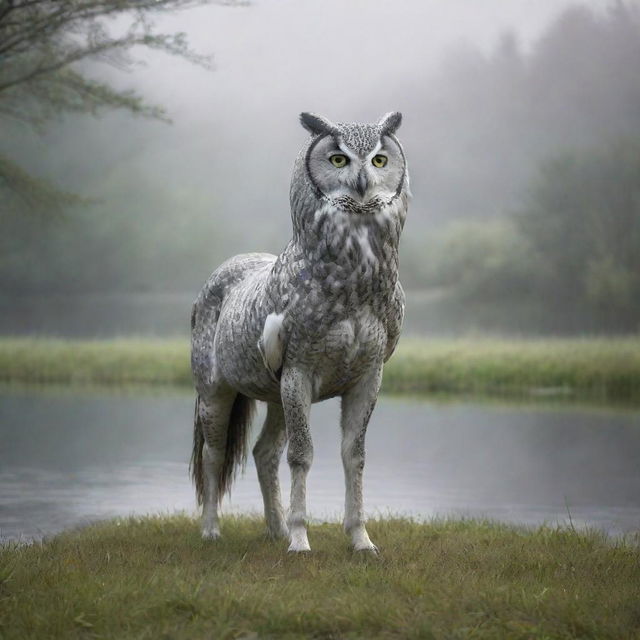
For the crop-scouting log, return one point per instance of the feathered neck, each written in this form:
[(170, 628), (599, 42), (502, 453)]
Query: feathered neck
[(342, 230), (334, 233)]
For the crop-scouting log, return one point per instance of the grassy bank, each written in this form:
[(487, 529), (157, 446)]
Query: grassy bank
[(607, 368), (155, 578)]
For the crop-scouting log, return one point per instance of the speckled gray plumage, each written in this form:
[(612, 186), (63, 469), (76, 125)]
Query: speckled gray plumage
[(335, 294)]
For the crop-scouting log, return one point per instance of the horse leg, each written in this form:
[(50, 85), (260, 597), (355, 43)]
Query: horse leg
[(267, 453), (295, 390), (357, 405), (214, 412)]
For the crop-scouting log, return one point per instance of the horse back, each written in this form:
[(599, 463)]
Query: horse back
[(218, 294)]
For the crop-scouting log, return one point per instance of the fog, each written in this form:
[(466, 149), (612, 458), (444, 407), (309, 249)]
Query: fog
[(489, 91), (521, 126), (235, 132)]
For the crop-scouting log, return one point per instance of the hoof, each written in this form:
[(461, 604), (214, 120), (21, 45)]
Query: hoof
[(369, 548), (299, 541), (210, 534), (360, 540)]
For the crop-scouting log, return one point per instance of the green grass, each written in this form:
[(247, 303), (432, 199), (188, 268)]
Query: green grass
[(155, 578), (119, 361), (603, 368)]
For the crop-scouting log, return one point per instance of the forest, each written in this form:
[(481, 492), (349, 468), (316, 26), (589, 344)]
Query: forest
[(525, 169)]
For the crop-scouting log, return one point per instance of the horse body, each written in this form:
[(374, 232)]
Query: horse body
[(231, 311), (315, 322)]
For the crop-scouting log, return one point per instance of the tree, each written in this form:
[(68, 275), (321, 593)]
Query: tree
[(43, 42), (583, 219)]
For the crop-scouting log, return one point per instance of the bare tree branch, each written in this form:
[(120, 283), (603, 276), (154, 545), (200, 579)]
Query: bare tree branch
[(41, 42)]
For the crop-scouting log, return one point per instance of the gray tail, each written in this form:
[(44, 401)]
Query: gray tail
[(237, 446), (195, 465)]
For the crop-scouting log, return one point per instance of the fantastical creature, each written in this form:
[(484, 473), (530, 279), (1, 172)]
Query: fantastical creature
[(315, 322)]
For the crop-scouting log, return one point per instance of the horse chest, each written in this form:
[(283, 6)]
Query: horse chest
[(348, 349)]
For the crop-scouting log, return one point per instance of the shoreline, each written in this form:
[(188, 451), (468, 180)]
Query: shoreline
[(601, 369)]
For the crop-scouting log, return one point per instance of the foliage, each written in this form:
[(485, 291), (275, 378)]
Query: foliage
[(41, 44), (603, 369), (479, 259), (156, 578), (600, 368), (21, 191), (573, 245), (117, 362), (490, 118), (568, 261), (583, 220), (118, 242)]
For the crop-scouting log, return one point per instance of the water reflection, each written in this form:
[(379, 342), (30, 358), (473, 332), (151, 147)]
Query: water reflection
[(69, 458)]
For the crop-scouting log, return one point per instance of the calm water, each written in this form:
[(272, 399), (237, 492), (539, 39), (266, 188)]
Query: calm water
[(70, 458)]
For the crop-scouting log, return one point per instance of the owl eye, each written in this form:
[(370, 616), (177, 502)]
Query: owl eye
[(338, 160), (379, 161)]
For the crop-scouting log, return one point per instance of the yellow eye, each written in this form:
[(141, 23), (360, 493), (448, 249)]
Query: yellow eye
[(339, 161), (379, 161)]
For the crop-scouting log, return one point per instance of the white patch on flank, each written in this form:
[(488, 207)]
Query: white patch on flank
[(271, 344)]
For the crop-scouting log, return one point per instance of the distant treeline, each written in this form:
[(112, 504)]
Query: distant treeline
[(490, 119), (569, 259), (530, 162), (565, 253)]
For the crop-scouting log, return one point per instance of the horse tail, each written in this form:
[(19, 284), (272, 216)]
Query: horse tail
[(237, 447), (236, 450), (195, 464), (205, 314)]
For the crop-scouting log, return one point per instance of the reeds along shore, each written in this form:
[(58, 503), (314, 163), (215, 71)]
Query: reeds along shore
[(603, 368), (156, 578)]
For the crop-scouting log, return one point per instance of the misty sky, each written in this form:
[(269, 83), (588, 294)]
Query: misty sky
[(347, 60), (235, 131), (277, 58)]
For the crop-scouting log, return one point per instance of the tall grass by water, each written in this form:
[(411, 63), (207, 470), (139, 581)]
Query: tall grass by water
[(604, 368), (155, 578)]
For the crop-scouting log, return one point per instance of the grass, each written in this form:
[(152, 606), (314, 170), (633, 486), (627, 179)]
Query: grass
[(603, 368), (155, 578), (118, 361)]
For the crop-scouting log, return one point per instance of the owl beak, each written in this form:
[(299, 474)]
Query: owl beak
[(363, 183)]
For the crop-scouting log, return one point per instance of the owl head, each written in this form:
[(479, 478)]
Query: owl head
[(358, 167)]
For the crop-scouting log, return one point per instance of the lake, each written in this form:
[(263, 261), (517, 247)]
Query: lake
[(75, 456)]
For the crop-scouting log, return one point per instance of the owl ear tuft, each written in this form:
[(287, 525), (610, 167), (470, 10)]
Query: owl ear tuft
[(317, 125), (389, 123)]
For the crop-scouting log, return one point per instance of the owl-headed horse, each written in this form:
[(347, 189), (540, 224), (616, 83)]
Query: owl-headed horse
[(317, 321)]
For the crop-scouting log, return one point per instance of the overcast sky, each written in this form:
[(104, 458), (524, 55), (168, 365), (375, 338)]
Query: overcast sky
[(305, 54), (236, 133)]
